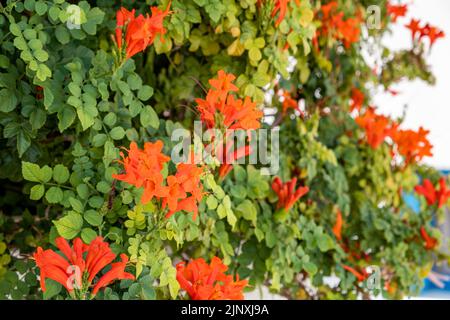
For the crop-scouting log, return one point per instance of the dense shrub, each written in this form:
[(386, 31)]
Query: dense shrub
[(79, 82)]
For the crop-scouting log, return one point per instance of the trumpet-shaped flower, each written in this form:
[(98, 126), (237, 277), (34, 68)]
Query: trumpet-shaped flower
[(203, 281)]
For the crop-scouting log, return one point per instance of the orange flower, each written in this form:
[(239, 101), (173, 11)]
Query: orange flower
[(222, 110), (412, 145), (209, 282), (430, 242), (231, 155), (377, 127), (287, 196), (396, 11), (337, 228), (360, 275), (429, 31), (117, 272), (220, 107), (84, 270), (334, 25), (433, 195), (143, 169), (414, 27), (140, 31), (357, 99), (288, 102)]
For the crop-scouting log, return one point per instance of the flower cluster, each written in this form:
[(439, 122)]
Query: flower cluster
[(140, 31), (432, 194), (412, 145), (221, 110), (377, 127), (335, 25), (78, 266), (143, 168), (287, 196), (396, 11), (203, 281), (433, 33)]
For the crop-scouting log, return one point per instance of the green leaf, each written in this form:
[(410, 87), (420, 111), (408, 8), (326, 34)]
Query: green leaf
[(66, 117), (37, 192), (70, 225), (86, 117), (99, 140), (93, 218), (325, 242), (40, 8), (247, 211), (149, 118), (52, 288), (254, 54), (41, 55), (145, 93), (38, 118), (60, 174), (76, 204), (62, 34), (54, 195), (117, 133), (43, 72), (211, 202), (310, 267), (31, 172), (15, 29), (23, 142), (8, 100), (87, 235)]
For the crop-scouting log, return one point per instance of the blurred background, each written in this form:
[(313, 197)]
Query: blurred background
[(428, 106)]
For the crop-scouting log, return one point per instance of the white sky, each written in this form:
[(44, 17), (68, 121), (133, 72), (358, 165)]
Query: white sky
[(428, 106)]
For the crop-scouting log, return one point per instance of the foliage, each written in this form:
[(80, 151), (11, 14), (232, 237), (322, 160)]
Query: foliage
[(69, 100)]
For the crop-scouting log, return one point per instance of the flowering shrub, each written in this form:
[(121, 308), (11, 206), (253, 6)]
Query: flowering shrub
[(92, 96)]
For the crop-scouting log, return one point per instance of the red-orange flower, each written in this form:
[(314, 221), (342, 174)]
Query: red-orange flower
[(360, 274), (430, 242), (79, 265), (117, 272), (143, 169), (432, 194), (377, 127), (209, 282), (412, 145), (396, 11), (179, 192), (337, 228), (288, 102), (335, 25), (223, 109), (429, 31), (140, 31), (357, 99), (414, 27), (287, 195)]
